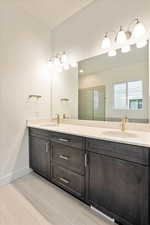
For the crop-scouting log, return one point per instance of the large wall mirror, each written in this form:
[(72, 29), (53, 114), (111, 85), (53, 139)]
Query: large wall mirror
[(112, 87)]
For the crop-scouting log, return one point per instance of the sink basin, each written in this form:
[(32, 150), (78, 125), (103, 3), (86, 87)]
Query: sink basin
[(48, 125), (120, 134)]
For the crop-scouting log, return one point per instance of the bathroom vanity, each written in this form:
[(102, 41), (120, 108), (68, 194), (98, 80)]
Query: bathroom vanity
[(108, 175)]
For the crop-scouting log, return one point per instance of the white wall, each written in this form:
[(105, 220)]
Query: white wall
[(24, 49), (81, 35), (65, 85)]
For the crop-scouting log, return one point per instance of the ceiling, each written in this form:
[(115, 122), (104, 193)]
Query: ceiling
[(52, 12)]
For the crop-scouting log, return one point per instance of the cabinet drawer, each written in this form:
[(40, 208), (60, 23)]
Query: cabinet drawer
[(127, 152), (67, 139), (68, 180), (39, 132), (68, 157)]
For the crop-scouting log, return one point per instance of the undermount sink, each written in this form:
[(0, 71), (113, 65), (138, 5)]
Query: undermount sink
[(120, 134), (49, 125)]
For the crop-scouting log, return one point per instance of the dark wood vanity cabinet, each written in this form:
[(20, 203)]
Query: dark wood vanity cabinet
[(112, 177), (118, 181), (67, 169), (40, 155), (118, 188)]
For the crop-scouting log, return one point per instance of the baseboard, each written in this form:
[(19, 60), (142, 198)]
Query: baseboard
[(14, 175)]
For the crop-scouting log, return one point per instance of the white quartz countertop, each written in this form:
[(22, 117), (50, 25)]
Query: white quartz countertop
[(140, 138)]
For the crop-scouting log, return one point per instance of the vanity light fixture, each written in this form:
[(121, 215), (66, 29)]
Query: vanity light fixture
[(141, 44), (139, 30), (57, 61), (66, 66), (106, 43), (61, 62), (121, 37), (74, 65), (126, 48), (64, 58), (125, 37), (59, 69), (50, 63), (112, 52)]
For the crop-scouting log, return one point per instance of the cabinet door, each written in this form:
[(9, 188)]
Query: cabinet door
[(40, 156), (118, 188)]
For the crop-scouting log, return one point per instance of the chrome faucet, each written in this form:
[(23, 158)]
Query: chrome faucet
[(58, 118), (124, 123)]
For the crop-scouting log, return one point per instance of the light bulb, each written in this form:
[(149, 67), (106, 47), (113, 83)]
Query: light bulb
[(141, 44), (64, 58), (121, 37), (50, 63), (59, 69), (57, 61), (66, 66), (139, 30), (74, 64), (81, 71), (106, 43), (125, 49), (112, 52)]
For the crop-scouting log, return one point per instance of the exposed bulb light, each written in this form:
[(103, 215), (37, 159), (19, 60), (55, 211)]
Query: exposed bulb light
[(141, 44), (66, 66), (64, 58), (112, 53), (139, 30), (125, 49), (106, 43), (121, 37)]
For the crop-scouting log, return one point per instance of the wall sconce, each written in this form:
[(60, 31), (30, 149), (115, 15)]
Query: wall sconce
[(106, 43), (61, 62), (139, 30), (123, 37)]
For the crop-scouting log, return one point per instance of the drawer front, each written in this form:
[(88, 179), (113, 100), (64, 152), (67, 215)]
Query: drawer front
[(39, 132), (67, 139), (68, 180), (127, 152), (68, 157)]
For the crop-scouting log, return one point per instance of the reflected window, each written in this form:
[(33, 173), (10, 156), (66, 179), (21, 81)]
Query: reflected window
[(128, 95), (120, 96)]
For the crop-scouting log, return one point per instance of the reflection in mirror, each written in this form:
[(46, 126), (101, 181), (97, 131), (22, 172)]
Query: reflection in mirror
[(113, 87)]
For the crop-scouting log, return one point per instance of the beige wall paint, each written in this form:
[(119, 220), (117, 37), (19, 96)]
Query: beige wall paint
[(24, 49)]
